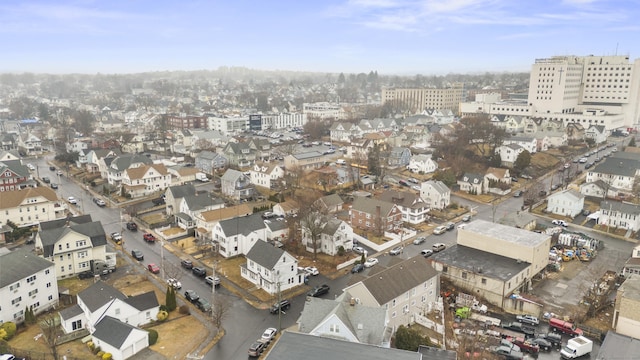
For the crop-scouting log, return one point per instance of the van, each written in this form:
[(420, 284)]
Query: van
[(341, 162), (565, 327)]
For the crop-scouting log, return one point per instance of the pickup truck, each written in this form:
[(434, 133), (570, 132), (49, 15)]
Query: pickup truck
[(519, 327), (526, 345), (148, 237)]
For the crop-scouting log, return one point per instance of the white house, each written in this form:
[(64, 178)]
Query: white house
[(265, 174), (616, 172), (115, 167), (271, 269), (414, 209), (472, 183), (335, 234), (409, 287), (617, 214), (30, 206), (598, 133), (119, 339), (566, 203), (146, 180), (529, 143), (509, 153), (26, 281), (423, 164), (597, 189), (238, 235), (436, 194)]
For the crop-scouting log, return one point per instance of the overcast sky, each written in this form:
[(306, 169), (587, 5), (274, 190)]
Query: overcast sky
[(390, 36)]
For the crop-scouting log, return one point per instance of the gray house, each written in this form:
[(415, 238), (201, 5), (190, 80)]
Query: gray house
[(399, 157), (236, 185), (208, 162)]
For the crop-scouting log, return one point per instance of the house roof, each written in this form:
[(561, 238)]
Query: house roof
[(140, 171), (98, 294), (265, 254), (200, 202), (506, 233), (517, 219), (276, 224), (569, 194), (93, 230), (20, 264), (207, 155), (618, 346), (500, 173), (369, 206), (472, 178), (226, 213), (478, 261), (394, 281), (231, 175), (181, 191), (71, 311), (13, 199), (58, 223), (144, 301), (366, 323), (617, 166), (405, 199), (438, 186), (435, 353), (331, 200), (112, 331), (332, 226), (295, 346), (244, 225), (124, 161), (621, 207)]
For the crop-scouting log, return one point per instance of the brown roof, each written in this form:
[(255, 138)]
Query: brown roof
[(12, 199), (139, 172), (290, 205), (226, 213), (186, 171), (497, 172)]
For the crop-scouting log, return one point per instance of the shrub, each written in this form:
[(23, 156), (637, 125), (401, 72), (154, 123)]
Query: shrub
[(163, 307), (10, 328), (96, 350), (184, 310), (153, 337), (162, 315), (341, 250), (107, 356), (100, 353)]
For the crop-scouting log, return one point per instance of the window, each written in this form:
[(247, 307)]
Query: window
[(14, 286), (393, 314), (31, 278), (484, 281), (393, 303), (16, 300), (33, 292), (405, 309), (464, 274), (334, 328)]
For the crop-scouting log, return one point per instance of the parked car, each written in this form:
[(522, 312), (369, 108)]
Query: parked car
[(319, 290), (450, 226), (203, 305), (86, 275), (311, 270), (516, 326), (440, 230), (507, 353), (419, 240), (437, 247), (132, 226), (159, 201), (72, 200), (554, 338), (54, 185), (174, 283), (528, 319), (583, 160), (116, 237), (148, 237), (526, 345), (10, 357), (370, 262), (191, 295), (269, 334), (137, 254), (525, 176), (359, 250), (426, 252), (52, 168), (212, 281), (46, 180), (586, 212), (187, 264), (280, 306), (59, 173), (155, 269), (517, 193), (466, 218), (99, 202), (357, 268), (396, 250), (256, 348), (542, 343), (514, 179), (559, 222), (199, 271)]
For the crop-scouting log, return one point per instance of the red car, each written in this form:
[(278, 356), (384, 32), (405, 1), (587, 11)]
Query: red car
[(154, 268), (148, 237)]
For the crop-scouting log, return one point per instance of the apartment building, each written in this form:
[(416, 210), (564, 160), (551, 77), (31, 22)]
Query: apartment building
[(418, 100)]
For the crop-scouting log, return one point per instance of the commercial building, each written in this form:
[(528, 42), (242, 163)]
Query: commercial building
[(417, 100)]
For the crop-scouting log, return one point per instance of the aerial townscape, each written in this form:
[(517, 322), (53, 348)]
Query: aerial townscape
[(295, 215)]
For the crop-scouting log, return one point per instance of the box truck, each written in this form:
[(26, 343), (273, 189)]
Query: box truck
[(576, 347)]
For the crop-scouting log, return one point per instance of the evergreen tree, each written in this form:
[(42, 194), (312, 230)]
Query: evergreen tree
[(170, 299)]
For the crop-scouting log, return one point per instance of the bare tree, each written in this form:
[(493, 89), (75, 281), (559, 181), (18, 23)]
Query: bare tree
[(172, 271), (313, 219), (294, 177), (220, 309), (49, 326), (204, 144)]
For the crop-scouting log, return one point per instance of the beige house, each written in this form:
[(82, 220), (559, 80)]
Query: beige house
[(306, 161), (405, 289), (626, 314), (30, 206)]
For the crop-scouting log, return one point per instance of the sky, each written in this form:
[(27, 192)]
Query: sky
[(401, 37)]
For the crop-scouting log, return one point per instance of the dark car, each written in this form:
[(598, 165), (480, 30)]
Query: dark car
[(203, 305), (450, 226), (159, 201), (519, 327), (46, 180), (257, 348), (280, 306), (85, 275), (187, 264), (54, 185), (137, 254), (199, 271), (52, 168), (132, 226), (357, 268), (542, 343), (553, 338), (191, 295), (319, 290)]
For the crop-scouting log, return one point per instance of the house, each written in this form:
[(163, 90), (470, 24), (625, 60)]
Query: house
[(26, 281), (30, 206), (494, 176), (411, 286), (261, 147), (14, 175), (174, 194), (472, 183), (266, 174), (181, 174), (422, 164), (145, 180), (345, 319), (94, 156), (626, 317), (287, 208), (436, 194), (598, 189), (399, 157), (330, 203), (509, 154), (236, 236), (543, 141), (118, 165), (304, 161), (239, 154), (496, 260), (374, 214), (112, 318), (565, 203), (617, 214), (236, 185), (618, 346), (519, 219), (71, 244), (190, 206), (295, 346), (271, 269), (30, 144), (597, 133), (575, 131), (208, 162), (344, 131), (413, 208), (335, 234), (205, 221), (632, 266), (529, 143), (617, 172)]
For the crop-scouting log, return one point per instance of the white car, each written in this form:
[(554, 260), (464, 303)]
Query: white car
[(416, 187), (583, 160), (370, 262), (528, 319), (31, 167), (359, 250), (72, 200), (440, 230), (560, 222), (269, 334), (174, 283), (311, 270), (419, 240)]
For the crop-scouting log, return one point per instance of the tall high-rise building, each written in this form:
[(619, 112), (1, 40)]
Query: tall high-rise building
[(420, 99)]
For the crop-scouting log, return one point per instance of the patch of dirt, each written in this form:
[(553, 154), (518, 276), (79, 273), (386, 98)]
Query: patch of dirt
[(173, 231)]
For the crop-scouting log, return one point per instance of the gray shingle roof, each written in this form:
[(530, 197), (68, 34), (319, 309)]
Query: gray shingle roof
[(392, 282), (617, 346), (231, 175), (473, 260), (123, 162), (331, 200), (621, 207), (332, 226), (438, 186), (46, 225), (70, 312), (144, 301), (617, 166), (112, 331), (369, 206), (181, 191), (407, 200), (20, 264), (200, 202), (265, 254), (98, 294), (244, 225), (93, 230), (276, 224)]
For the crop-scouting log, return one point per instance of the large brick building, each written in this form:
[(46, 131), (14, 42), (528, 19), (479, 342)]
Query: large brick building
[(186, 122)]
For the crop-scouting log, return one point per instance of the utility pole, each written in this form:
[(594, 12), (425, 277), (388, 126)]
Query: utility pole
[(279, 307)]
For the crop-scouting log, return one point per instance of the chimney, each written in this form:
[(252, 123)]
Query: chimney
[(352, 302)]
